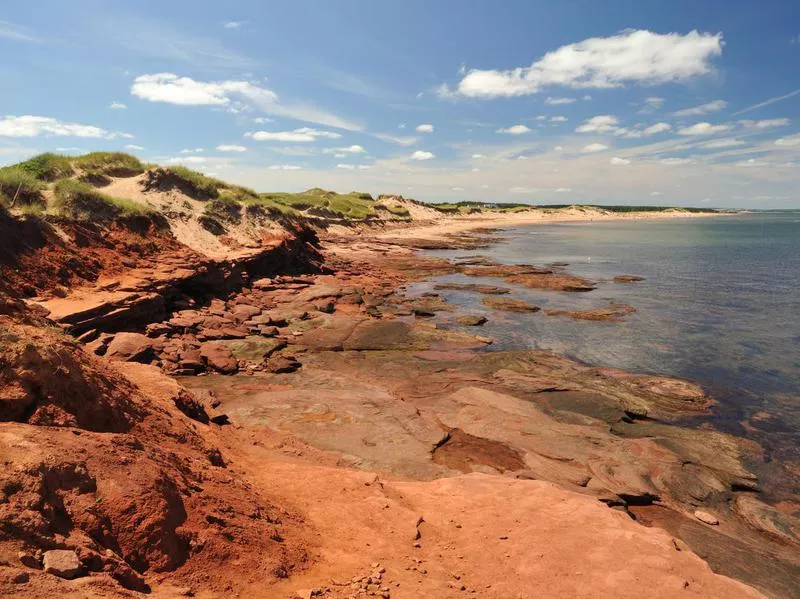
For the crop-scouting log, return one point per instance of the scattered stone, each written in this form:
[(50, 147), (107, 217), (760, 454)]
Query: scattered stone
[(63, 563), (706, 518), (628, 279), (474, 287), (29, 560), (471, 320)]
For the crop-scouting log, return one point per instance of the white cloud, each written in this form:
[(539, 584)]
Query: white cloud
[(426, 128), (557, 101), (541, 117), (522, 189), (703, 129), (598, 124), (422, 155), (10, 31), (456, 189), (188, 160), (559, 119), (117, 106), (675, 161), (341, 152), (402, 126), (591, 148), (563, 189), (192, 150), (302, 135), (707, 108), (231, 148), (764, 124), (477, 156), (722, 143), (395, 139), (617, 161), (184, 91), (234, 24), (284, 167), (133, 147), (34, 126), (262, 120), (633, 56), (655, 193), (65, 150), (791, 141), (514, 130), (657, 128), (353, 167)]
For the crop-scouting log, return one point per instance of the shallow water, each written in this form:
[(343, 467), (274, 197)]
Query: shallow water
[(720, 305)]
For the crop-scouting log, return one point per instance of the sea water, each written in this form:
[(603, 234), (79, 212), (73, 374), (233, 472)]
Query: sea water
[(720, 305)]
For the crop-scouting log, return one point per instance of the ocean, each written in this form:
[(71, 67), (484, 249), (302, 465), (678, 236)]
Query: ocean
[(720, 305)]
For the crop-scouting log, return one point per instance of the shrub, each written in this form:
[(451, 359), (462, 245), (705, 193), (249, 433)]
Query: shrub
[(77, 200), (195, 185), (16, 182), (109, 164), (48, 167)]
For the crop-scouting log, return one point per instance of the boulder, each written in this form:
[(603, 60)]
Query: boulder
[(471, 320), (63, 563), (219, 357), (131, 347), (706, 518)]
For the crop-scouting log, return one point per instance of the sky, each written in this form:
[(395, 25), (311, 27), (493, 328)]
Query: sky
[(617, 102)]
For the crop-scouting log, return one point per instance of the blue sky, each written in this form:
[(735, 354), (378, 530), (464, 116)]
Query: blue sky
[(685, 103)]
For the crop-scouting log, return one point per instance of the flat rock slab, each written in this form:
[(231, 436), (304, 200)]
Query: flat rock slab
[(508, 304), (62, 563)]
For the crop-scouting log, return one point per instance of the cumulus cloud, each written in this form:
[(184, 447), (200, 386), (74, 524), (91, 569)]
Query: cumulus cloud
[(192, 150), (340, 152), (262, 120), (599, 124), (657, 128), (591, 148), (231, 148), (426, 128), (789, 142), (478, 156), (231, 94), (514, 130), (302, 135), (652, 103), (633, 56), (422, 155), (117, 106), (34, 126), (187, 160), (675, 161), (557, 101), (234, 24), (617, 161), (707, 108), (559, 119), (133, 147), (284, 167), (703, 129)]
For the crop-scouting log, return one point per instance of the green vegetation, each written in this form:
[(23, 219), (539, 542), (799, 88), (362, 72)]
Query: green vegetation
[(195, 183), (47, 167), (318, 202), (467, 207), (78, 200), (20, 184), (396, 210), (100, 165)]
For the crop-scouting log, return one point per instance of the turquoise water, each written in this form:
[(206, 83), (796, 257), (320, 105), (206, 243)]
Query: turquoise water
[(720, 305)]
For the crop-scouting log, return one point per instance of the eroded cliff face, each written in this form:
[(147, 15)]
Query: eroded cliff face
[(127, 479)]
